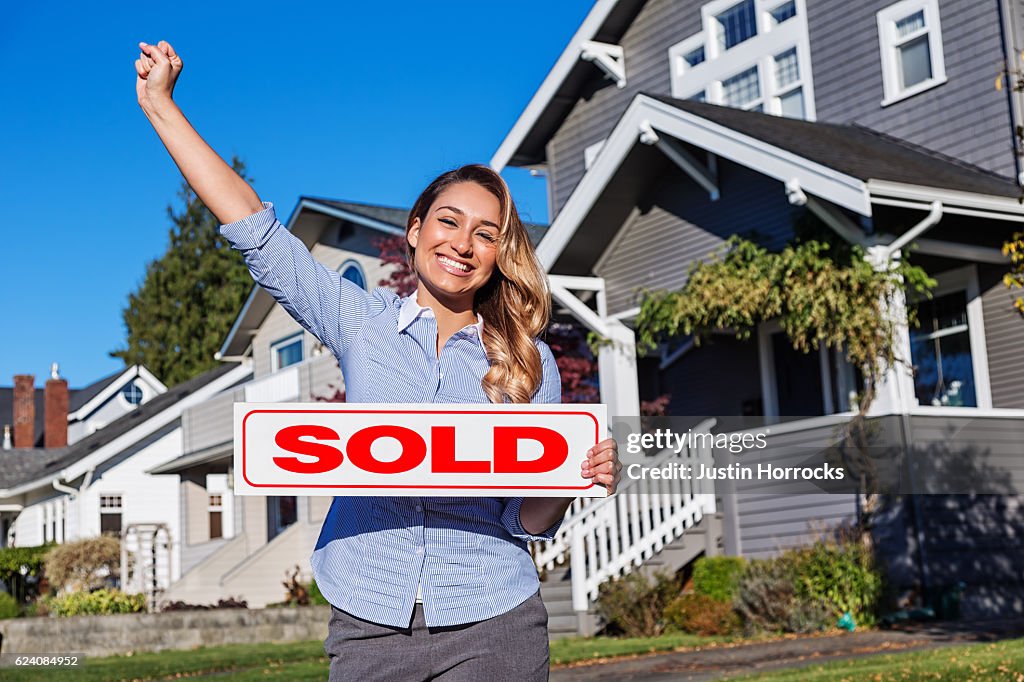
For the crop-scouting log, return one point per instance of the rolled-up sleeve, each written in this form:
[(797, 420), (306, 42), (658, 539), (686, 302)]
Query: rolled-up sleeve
[(514, 525), (329, 307)]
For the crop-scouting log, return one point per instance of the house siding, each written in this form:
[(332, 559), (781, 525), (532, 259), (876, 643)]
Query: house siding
[(695, 381), (658, 26), (1004, 339), (965, 118), (680, 224)]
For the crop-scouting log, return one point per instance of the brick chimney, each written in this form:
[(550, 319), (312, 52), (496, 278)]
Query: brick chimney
[(55, 434), (24, 410)]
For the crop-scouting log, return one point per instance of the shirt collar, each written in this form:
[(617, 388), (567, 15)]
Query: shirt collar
[(411, 310)]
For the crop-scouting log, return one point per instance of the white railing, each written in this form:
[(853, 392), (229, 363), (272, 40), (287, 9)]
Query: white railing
[(145, 560), (610, 536)]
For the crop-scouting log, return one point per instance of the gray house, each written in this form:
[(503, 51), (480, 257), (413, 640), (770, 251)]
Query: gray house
[(665, 127)]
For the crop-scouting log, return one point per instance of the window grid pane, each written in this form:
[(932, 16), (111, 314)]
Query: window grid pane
[(353, 274), (787, 68), (792, 104), (784, 11), (943, 367), (908, 25), (741, 89), (738, 23), (695, 57), (915, 62), (289, 354)]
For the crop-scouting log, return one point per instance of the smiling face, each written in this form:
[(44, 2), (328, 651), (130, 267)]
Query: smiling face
[(456, 245)]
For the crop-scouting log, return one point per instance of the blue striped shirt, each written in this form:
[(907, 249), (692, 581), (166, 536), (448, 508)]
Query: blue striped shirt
[(468, 554)]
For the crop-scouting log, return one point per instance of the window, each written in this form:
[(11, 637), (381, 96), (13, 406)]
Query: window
[(742, 90), (910, 40), (788, 86), (281, 513), (783, 12), (287, 351), (110, 514), (736, 25), (216, 509), (769, 71), (131, 393), (941, 352), (353, 272)]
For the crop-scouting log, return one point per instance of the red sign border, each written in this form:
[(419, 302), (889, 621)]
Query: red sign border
[(245, 477)]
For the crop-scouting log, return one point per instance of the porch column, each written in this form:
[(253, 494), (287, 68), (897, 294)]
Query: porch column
[(895, 393)]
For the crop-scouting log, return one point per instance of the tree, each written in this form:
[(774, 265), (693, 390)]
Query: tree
[(1014, 247), (181, 313)]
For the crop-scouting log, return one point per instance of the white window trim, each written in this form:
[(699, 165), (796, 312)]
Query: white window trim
[(760, 50), (591, 153), (887, 45), (966, 279), (284, 342), (349, 263), (141, 386)]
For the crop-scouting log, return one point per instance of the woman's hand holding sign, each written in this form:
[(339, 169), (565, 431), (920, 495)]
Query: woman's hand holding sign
[(602, 464), (158, 67)]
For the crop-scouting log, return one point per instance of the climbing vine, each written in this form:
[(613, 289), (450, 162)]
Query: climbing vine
[(817, 293)]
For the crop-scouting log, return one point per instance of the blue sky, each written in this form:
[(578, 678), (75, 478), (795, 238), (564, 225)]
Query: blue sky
[(364, 102)]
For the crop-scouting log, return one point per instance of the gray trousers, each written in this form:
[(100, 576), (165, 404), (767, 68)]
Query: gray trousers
[(511, 647)]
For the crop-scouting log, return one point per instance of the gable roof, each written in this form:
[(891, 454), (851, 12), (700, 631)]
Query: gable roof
[(22, 467), (606, 22), (848, 166)]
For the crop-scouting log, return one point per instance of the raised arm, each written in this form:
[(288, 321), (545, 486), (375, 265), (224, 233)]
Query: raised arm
[(227, 195)]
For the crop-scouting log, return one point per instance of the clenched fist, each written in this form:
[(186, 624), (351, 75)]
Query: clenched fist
[(158, 67)]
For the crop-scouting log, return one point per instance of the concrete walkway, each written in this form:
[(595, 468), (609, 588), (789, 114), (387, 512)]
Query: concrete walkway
[(722, 661)]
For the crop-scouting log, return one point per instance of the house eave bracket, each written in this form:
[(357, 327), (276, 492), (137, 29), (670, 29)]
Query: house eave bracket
[(609, 58), (704, 175)]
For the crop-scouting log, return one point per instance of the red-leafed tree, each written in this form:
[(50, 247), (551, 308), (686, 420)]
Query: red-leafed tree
[(401, 279)]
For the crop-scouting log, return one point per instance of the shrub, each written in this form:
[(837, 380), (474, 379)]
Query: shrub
[(316, 597), (8, 606), (21, 569), (842, 576), (700, 614), (634, 606), (229, 603), (768, 599), (718, 577), (100, 602), (84, 564)]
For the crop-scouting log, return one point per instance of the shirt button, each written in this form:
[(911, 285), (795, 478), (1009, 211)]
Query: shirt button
[(419, 508), (419, 550)]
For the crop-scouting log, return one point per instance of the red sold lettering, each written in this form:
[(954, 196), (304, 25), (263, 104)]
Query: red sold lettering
[(414, 449), (291, 439), (442, 454), (506, 450)]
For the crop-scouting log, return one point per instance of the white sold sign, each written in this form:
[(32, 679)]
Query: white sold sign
[(432, 450)]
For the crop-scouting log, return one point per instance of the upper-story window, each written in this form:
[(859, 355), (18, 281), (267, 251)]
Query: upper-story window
[(353, 272), (910, 39), (753, 54), (736, 24), (132, 393), (287, 351)]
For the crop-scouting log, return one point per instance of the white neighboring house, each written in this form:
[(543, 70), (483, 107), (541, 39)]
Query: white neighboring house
[(99, 482)]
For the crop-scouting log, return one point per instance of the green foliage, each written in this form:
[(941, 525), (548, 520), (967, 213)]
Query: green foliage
[(21, 568), (316, 597), (842, 576), (181, 313), (768, 599), (84, 564), (98, 603), (718, 577), (1014, 279), (817, 297), (8, 606), (700, 614), (634, 606)]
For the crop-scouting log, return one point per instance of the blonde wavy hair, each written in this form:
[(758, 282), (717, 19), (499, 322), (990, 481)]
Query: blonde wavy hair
[(515, 304)]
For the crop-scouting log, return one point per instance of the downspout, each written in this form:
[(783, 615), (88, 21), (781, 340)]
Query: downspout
[(930, 221)]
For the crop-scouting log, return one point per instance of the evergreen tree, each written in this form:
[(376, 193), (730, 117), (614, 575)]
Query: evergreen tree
[(181, 313)]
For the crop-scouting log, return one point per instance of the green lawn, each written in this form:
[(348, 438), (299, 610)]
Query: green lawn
[(969, 662), (306, 661)]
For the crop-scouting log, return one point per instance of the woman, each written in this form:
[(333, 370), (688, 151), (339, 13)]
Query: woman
[(448, 580)]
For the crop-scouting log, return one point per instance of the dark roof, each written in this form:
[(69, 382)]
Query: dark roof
[(854, 150), (23, 465), (81, 396)]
